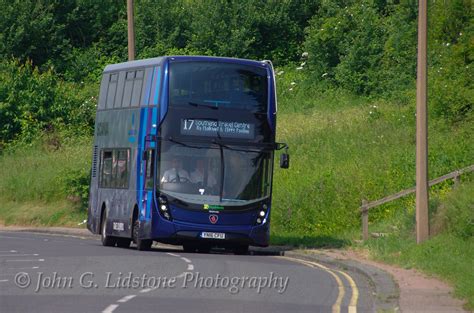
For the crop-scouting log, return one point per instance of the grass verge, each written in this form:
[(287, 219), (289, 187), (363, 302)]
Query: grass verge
[(40, 213), (449, 254), (37, 182)]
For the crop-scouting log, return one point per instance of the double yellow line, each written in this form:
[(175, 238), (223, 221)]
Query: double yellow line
[(336, 308)]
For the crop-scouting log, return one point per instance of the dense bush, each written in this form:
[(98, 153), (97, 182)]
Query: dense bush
[(369, 47), (46, 31), (363, 46), (31, 102), (455, 214), (76, 186), (452, 54)]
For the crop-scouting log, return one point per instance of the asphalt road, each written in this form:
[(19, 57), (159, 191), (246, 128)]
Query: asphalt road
[(48, 273)]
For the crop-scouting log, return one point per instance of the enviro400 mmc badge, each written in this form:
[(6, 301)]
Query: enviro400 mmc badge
[(213, 207)]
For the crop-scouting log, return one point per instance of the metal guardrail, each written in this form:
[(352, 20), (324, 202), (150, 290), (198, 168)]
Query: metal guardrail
[(366, 206)]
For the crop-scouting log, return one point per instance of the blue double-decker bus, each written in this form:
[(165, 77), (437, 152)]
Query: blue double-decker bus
[(183, 153)]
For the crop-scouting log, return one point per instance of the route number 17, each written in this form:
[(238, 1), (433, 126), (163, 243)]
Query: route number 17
[(188, 124)]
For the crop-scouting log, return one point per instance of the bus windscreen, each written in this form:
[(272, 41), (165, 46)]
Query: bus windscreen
[(215, 175), (218, 85)]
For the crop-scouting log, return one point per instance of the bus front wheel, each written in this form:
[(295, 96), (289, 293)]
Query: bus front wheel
[(142, 244), (123, 242), (241, 250), (189, 247)]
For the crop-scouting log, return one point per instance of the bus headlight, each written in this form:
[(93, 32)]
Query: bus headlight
[(261, 215), (164, 210)]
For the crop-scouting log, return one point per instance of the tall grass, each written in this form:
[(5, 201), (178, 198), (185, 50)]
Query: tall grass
[(345, 149), (34, 180), (36, 171)]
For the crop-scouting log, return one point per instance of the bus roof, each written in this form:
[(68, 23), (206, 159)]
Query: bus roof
[(159, 60)]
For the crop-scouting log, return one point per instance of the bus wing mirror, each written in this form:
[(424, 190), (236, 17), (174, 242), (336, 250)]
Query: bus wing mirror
[(284, 160)]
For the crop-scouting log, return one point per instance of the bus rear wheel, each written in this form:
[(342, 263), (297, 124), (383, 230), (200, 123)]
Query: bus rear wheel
[(142, 244), (107, 241)]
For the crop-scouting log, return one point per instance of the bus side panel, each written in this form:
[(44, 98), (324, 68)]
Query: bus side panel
[(116, 130), (93, 216), (146, 142), (92, 210), (117, 126), (119, 207)]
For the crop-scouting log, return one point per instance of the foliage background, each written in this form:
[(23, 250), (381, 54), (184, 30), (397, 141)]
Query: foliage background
[(346, 83), (346, 73)]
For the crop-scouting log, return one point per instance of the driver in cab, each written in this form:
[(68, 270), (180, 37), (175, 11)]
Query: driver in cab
[(198, 176), (176, 174)]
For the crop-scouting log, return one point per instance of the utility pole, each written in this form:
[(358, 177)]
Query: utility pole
[(422, 223), (131, 31)]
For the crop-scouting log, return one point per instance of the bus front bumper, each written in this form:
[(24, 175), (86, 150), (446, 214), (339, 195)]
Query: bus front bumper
[(175, 232)]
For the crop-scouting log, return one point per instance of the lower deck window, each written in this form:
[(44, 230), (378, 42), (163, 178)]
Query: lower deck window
[(115, 168)]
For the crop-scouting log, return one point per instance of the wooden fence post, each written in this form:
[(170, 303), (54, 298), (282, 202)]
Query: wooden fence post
[(364, 208), (365, 220), (457, 179)]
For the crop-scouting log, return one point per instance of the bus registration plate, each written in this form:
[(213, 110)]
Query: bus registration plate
[(212, 235)]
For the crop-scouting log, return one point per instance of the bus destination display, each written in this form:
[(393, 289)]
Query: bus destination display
[(213, 128)]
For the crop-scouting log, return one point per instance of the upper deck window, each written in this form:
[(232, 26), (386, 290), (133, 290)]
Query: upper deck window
[(219, 85), (121, 89)]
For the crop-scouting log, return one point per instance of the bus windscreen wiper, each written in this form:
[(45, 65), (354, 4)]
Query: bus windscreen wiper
[(257, 146), (184, 144), (194, 104)]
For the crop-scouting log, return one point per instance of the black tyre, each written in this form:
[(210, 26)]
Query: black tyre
[(189, 247), (107, 240), (241, 250), (142, 244), (204, 248), (123, 242)]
